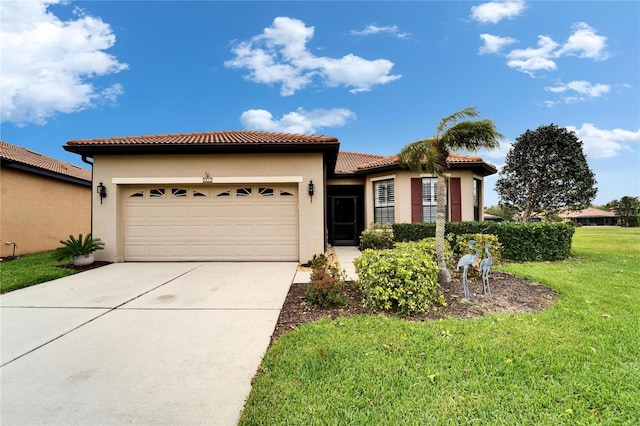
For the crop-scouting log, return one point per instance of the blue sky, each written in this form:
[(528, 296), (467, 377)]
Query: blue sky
[(377, 75)]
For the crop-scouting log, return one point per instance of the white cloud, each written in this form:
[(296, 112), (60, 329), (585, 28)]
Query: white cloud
[(280, 56), (530, 59), (582, 87), (48, 64), (602, 143), (584, 43), (374, 29), (494, 44), (299, 121), (495, 11)]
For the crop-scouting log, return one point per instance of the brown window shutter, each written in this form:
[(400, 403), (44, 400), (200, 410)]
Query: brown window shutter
[(416, 199), (456, 200)]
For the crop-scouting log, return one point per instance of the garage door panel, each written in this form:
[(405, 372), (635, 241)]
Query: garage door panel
[(156, 211), (178, 230), (201, 231), (179, 212), (288, 231), (133, 231), (156, 250), (134, 251), (156, 231), (135, 211), (200, 212), (266, 230), (247, 230), (179, 251), (245, 223)]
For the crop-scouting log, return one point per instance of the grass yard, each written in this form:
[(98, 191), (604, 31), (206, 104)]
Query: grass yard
[(29, 270), (577, 363)]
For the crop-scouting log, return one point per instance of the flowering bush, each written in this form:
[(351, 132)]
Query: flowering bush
[(326, 286)]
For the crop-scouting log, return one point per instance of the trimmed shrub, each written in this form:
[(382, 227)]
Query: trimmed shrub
[(403, 279), (326, 285), (428, 246), (377, 236), (522, 241), (481, 241)]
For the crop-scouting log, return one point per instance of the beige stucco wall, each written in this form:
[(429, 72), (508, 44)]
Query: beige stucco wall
[(37, 212), (402, 183), (107, 219)]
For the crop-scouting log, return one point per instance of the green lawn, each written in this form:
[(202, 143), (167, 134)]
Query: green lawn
[(577, 363), (29, 270)]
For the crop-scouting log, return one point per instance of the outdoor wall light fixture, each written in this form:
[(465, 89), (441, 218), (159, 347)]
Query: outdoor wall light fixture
[(311, 190), (102, 191)]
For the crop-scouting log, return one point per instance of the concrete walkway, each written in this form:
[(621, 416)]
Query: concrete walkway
[(138, 343), (345, 256)]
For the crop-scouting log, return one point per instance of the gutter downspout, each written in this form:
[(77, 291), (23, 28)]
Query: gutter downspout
[(85, 160)]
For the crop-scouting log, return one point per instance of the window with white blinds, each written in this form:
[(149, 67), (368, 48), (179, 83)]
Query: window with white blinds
[(384, 201)]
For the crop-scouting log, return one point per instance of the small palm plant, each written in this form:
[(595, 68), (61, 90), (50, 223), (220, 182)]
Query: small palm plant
[(80, 249)]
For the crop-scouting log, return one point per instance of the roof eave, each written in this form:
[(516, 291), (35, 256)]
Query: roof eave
[(43, 172), (91, 150), (479, 167)]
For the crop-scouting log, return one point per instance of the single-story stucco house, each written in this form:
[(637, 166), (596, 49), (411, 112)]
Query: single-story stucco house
[(248, 195), (42, 201), (591, 217)]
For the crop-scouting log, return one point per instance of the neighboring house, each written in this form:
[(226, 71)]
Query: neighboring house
[(247, 195), (42, 200), (492, 218), (591, 217)]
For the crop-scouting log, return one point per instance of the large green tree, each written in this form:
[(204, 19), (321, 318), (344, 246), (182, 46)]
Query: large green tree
[(455, 132), (627, 208), (544, 171)]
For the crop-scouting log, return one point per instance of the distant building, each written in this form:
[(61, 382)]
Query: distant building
[(591, 217), (492, 218)]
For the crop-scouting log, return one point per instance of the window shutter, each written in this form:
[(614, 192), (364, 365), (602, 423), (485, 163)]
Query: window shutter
[(456, 200), (416, 199)]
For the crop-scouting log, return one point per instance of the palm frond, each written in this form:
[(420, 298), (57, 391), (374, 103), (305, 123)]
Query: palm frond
[(424, 156), (472, 135), (447, 122)]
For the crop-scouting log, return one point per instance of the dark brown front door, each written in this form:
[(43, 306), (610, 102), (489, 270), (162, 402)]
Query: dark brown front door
[(344, 220)]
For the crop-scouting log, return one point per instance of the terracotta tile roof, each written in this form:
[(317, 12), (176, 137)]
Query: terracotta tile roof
[(15, 154), (453, 159), (381, 162), (232, 137), (588, 212), (348, 162)]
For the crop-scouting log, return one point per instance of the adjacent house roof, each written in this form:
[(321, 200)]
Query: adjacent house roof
[(589, 212), (455, 161), (23, 159)]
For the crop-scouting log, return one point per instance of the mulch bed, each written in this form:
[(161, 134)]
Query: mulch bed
[(509, 294), (94, 265)]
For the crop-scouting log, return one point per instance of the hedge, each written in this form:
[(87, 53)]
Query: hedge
[(522, 241)]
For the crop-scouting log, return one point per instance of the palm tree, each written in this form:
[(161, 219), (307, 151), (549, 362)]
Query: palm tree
[(454, 132)]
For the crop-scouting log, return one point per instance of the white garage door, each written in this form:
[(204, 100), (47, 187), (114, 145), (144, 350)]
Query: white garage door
[(243, 222)]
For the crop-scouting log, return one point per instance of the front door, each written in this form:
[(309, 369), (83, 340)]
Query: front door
[(344, 220)]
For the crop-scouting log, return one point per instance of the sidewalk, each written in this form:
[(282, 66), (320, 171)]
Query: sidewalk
[(345, 256)]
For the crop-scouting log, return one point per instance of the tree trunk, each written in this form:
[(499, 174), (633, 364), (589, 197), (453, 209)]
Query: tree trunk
[(444, 275)]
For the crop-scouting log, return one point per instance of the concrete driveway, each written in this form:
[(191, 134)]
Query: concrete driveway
[(138, 343)]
